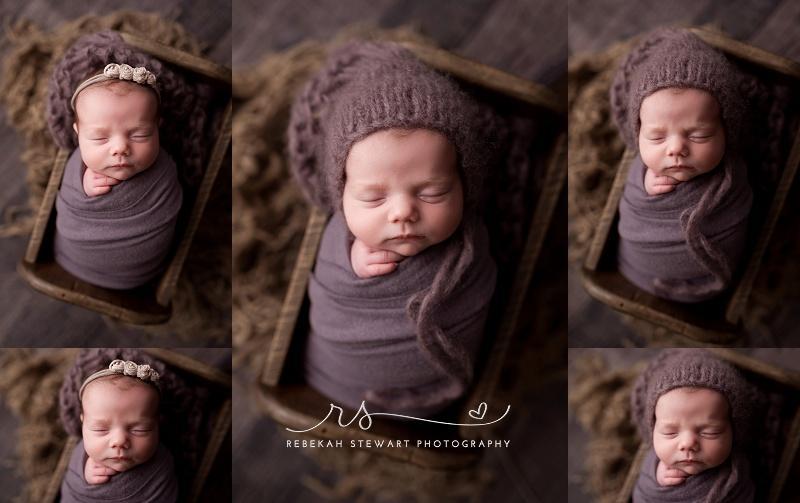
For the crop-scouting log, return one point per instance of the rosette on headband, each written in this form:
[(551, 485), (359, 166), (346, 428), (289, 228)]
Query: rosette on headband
[(124, 367), (113, 71)]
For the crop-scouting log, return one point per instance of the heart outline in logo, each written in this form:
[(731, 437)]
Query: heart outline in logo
[(478, 413)]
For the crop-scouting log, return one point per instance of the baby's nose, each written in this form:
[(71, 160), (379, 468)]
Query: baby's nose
[(675, 146), (119, 147), (118, 439), (403, 210)]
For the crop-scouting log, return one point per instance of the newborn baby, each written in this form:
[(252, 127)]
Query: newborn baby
[(410, 200), (693, 410), (120, 196), (119, 457), (403, 279), (683, 213)]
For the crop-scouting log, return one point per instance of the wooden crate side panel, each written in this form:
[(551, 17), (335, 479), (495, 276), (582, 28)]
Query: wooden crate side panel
[(46, 208), (284, 329)]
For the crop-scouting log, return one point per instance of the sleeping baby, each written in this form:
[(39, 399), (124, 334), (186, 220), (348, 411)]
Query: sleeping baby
[(119, 457), (403, 278), (120, 195), (693, 412), (683, 213)]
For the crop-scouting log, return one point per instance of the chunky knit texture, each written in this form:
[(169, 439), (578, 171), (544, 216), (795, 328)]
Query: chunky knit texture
[(676, 368), (367, 87), (183, 103)]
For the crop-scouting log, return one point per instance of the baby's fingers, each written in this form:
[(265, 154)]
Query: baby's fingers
[(380, 269), (98, 479), (665, 180), (100, 190), (673, 481), (661, 189), (98, 469), (383, 257), (103, 181)]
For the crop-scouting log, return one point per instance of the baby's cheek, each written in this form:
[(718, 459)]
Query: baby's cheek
[(363, 223)]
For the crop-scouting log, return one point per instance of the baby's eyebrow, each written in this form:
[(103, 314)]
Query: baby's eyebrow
[(370, 186), (703, 125)]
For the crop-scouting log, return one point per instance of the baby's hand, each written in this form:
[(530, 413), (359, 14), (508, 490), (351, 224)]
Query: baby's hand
[(666, 476), (368, 262), (655, 185), (95, 184), (95, 473)]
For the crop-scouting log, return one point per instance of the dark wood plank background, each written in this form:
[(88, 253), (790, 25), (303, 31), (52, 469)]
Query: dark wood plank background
[(28, 318), (524, 37), (773, 25)]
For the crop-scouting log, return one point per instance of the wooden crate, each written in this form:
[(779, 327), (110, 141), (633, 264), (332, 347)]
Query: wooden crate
[(716, 321), (212, 479), (784, 484), (150, 303), (292, 403)]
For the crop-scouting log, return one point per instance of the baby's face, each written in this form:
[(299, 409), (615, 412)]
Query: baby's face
[(117, 129), (681, 133), (120, 423), (402, 192), (692, 431)]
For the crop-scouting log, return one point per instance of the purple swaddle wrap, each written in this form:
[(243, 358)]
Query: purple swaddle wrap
[(654, 253), (727, 483), (119, 239), (362, 340), (151, 482)]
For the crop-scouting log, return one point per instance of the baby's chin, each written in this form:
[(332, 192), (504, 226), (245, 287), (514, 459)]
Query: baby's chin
[(120, 465), (692, 469), (120, 173), (405, 248), (682, 174)]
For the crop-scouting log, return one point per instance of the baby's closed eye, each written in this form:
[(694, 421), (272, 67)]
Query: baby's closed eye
[(434, 196)]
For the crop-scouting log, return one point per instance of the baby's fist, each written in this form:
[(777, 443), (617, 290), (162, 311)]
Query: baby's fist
[(666, 476), (95, 473), (95, 184), (368, 262), (655, 185)]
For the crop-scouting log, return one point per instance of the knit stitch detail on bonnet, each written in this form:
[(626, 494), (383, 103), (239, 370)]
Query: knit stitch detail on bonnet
[(669, 57), (366, 87), (677, 368)]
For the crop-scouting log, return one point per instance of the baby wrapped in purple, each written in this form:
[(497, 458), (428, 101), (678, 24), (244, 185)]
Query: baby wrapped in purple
[(683, 214), (405, 339)]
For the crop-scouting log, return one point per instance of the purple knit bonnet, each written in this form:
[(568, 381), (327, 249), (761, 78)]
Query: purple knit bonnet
[(365, 87), (669, 57), (677, 368)]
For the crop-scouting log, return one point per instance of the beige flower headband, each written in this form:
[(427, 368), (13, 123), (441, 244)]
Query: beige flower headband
[(113, 71), (127, 368)]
